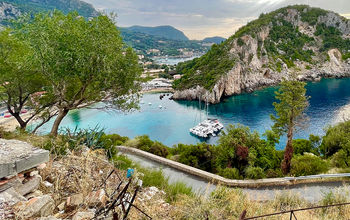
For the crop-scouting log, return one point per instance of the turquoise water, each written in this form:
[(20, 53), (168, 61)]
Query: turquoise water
[(171, 124)]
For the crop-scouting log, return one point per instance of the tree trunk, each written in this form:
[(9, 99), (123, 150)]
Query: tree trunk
[(56, 124), (288, 153), (22, 123)]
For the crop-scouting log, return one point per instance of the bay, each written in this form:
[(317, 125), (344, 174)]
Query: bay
[(171, 123)]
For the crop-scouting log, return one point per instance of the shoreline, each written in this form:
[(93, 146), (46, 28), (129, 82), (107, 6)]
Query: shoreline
[(162, 90)]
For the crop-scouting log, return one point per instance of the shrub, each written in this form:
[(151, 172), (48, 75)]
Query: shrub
[(176, 189), (341, 159), (230, 173), (255, 173), (336, 138), (307, 164), (200, 156)]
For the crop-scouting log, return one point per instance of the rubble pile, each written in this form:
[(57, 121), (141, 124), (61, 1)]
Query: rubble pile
[(81, 185)]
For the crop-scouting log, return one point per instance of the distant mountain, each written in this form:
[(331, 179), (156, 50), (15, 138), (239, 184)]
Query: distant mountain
[(215, 40), (144, 43), (11, 9), (167, 32)]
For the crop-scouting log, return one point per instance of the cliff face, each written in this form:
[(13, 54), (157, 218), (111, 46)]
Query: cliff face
[(289, 40), (8, 11)]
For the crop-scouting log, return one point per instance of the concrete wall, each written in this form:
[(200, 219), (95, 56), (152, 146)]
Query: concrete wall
[(285, 181)]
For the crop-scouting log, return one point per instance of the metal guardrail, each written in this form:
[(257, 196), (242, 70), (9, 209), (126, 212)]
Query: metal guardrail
[(292, 212)]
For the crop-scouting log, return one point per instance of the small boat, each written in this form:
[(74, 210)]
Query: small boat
[(160, 107), (149, 103), (7, 116)]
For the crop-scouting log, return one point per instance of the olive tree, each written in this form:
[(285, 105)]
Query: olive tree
[(84, 61), (21, 83), (292, 102)]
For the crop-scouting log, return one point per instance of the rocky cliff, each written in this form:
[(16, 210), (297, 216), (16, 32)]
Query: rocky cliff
[(312, 42), (8, 11)]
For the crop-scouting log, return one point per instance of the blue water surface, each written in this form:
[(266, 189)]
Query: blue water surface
[(170, 124)]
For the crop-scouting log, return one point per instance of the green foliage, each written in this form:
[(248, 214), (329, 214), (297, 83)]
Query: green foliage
[(206, 70), (66, 6), (287, 38), (176, 189), (200, 156), (167, 32), (337, 137), (255, 173), (332, 38), (306, 164), (291, 106), (83, 60), (312, 14), (240, 42), (20, 79), (146, 144), (301, 146), (142, 42), (230, 173)]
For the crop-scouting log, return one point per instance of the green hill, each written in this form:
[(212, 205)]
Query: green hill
[(215, 40), (25, 6), (167, 32), (311, 41), (143, 42)]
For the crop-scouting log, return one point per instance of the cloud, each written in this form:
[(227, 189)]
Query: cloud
[(202, 18)]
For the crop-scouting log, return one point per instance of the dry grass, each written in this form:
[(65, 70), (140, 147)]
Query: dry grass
[(227, 203)]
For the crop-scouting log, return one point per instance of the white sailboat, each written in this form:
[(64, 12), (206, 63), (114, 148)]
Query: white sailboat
[(207, 127)]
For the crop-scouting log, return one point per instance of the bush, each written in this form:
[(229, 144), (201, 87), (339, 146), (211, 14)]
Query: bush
[(230, 173), (341, 159), (200, 156), (304, 165), (255, 173), (146, 144), (336, 138)]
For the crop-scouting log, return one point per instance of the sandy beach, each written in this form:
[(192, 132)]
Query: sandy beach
[(343, 114), (10, 124)]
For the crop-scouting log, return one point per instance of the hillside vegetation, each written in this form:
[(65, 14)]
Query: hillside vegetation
[(30, 6), (294, 38), (142, 42), (167, 32)]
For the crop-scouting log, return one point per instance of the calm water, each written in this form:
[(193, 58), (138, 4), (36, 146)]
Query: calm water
[(173, 60), (171, 124)]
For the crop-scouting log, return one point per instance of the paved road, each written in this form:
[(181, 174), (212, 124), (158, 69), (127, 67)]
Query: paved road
[(310, 192)]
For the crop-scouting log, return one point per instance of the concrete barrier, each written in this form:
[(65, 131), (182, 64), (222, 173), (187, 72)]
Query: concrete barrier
[(284, 181)]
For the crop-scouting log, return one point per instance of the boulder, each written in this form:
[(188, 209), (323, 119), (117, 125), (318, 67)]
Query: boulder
[(36, 207)]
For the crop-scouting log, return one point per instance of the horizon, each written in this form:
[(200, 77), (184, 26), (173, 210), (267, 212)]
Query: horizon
[(221, 18)]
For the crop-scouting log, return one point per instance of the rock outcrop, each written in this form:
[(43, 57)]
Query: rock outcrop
[(257, 67)]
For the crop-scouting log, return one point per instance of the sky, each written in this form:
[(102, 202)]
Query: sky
[(203, 18)]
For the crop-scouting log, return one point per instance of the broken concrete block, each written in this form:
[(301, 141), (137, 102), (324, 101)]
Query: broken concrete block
[(97, 198), (11, 196), (17, 156), (30, 186), (83, 216), (37, 207)]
